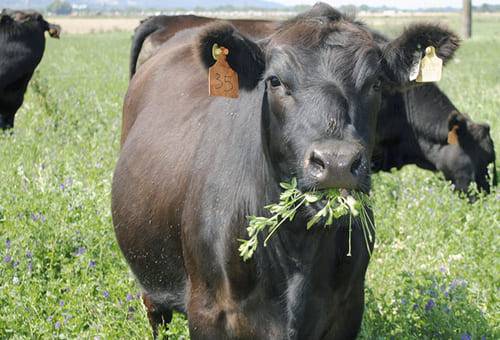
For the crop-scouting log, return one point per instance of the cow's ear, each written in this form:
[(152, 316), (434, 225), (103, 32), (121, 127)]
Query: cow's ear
[(401, 53), (245, 56), (457, 124)]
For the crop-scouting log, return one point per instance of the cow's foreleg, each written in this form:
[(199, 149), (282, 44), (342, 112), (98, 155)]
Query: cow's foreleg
[(158, 313)]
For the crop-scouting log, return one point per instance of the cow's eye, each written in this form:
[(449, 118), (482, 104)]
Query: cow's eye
[(377, 85), (275, 82)]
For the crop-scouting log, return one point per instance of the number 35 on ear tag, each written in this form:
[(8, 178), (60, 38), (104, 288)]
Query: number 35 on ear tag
[(222, 79)]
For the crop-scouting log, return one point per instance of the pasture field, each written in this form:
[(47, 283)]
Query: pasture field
[(435, 272)]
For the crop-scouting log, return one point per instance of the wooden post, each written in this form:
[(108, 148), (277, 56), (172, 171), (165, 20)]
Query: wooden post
[(467, 19)]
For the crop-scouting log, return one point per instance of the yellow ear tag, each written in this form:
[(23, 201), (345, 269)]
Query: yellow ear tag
[(222, 79), (431, 67)]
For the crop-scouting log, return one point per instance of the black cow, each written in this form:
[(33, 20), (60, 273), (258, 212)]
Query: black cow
[(414, 124), (192, 167), (22, 42), (417, 126)]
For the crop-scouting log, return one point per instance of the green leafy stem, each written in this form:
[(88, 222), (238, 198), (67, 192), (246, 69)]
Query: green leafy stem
[(336, 205)]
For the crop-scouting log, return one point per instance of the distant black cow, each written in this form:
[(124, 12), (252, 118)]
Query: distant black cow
[(193, 167), (22, 43), (413, 125), (421, 126)]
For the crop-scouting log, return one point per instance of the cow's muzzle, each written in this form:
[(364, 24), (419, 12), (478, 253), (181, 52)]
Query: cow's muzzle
[(337, 164)]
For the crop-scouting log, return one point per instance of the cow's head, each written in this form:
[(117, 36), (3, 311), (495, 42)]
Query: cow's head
[(54, 30), (321, 75), (33, 17), (469, 153)]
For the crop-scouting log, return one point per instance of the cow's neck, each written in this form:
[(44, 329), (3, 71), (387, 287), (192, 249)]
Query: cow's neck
[(307, 272), (427, 110)]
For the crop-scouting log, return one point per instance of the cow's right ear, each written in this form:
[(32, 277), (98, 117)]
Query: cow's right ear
[(401, 54), (457, 123), (245, 56)]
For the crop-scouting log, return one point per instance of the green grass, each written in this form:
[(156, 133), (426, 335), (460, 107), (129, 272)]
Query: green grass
[(62, 274)]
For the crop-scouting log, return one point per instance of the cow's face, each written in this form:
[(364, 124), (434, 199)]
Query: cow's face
[(466, 160), (321, 75), (323, 84)]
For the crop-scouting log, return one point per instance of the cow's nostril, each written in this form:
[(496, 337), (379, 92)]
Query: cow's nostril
[(356, 166), (316, 161)]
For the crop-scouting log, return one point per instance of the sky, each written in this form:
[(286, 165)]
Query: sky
[(403, 4)]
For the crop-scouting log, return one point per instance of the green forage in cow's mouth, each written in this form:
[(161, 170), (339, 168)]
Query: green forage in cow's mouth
[(336, 203)]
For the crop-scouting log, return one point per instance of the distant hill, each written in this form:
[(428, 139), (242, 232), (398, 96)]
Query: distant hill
[(158, 4)]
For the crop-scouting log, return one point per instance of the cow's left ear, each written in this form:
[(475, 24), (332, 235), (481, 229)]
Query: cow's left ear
[(401, 53), (245, 56)]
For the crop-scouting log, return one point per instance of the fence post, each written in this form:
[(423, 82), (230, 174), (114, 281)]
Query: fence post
[(467, 18)]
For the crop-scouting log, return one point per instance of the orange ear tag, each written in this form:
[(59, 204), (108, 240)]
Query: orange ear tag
[(222, 79), (452, 135)]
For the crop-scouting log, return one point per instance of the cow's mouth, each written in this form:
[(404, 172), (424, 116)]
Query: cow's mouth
[(359, 197)]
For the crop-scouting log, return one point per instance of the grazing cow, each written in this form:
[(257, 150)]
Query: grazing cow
[(192, 167), (22, 42), (413, 128), (421, 126)]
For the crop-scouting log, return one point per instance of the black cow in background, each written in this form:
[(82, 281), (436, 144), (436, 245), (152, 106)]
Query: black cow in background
[(413, 126), (22, 43), (422, 126)]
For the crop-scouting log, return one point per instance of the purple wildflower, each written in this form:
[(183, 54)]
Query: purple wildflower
[(30, 266), (442, 269), (129, 297), (457, 282), (29, 254), (38, 217), (430, 304), (466, 336), (7, 258), (105, 294), (7, 243), (61, 303), (67, 317), (49, 319), (91, 264), (15, 264), (80, 251), (57, 325)]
